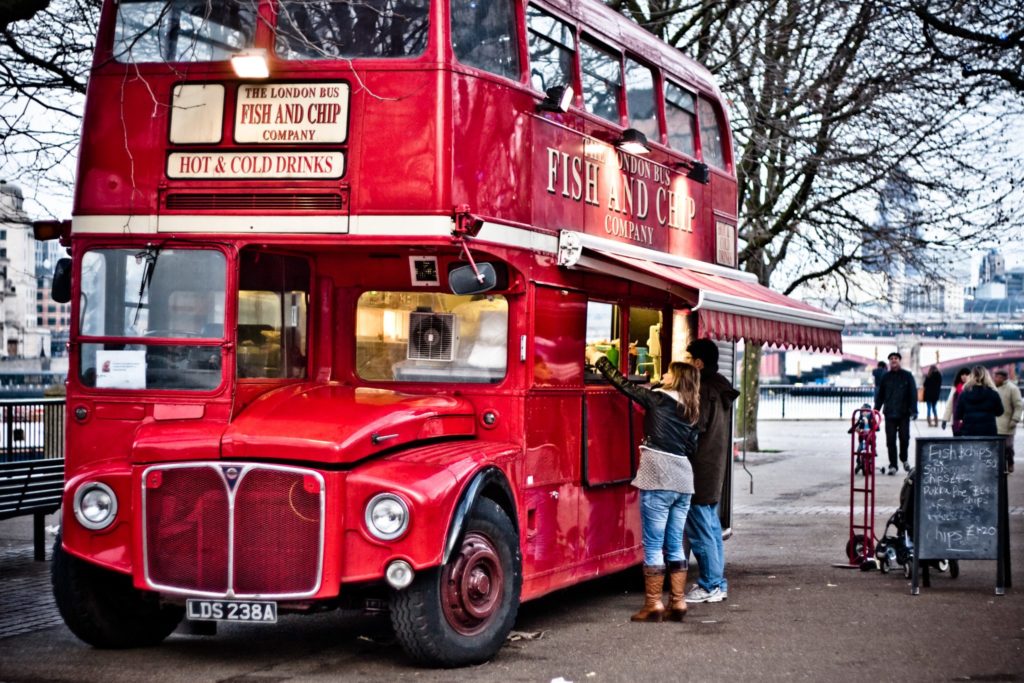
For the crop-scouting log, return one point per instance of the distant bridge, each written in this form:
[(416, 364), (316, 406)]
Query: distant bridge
[(919, 354)]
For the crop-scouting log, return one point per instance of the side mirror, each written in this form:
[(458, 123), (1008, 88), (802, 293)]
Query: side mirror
[(462, 280), (60, 289)]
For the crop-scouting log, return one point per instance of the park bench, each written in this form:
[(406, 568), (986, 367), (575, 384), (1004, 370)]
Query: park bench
[(32, 487)]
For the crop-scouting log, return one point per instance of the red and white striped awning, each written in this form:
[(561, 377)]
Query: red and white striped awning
[(730, 305)]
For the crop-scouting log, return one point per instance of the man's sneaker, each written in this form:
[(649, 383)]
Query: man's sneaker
[(892, 470), (698, 594), (906, 466)]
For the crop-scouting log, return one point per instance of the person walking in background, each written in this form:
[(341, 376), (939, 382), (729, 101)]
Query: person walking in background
[(932, 388), (878, 373), (1006, 424), (897, 399), (979, 404), (664, 477), (703, 527), (954, 395)]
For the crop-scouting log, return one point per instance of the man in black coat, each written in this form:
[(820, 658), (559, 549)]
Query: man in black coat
[(897, 399)]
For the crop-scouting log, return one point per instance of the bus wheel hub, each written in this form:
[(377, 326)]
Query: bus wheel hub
[(472, 585)]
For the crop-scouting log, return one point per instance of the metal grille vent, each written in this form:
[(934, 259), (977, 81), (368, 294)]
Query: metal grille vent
[(252, 201), (432, 336)]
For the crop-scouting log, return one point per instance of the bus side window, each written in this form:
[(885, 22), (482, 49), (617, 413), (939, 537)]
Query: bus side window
[(643, 107), (552, 45), (602, 82), (710, 134), (484, 36), (604, 322), (679, 118)]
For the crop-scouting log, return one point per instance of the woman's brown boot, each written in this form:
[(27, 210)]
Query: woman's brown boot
[(654, 583), (677, 590)]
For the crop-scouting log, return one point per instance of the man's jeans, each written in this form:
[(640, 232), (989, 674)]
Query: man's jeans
[(663, 516), (897, 426), (704, 531)]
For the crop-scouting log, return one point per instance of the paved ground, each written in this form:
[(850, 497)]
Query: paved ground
[(790, 616)]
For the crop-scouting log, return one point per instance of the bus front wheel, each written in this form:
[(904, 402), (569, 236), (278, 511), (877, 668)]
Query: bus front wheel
[(102, 607), (460, 613)]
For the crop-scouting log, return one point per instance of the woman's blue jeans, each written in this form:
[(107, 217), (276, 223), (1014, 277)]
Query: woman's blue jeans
[(663, 517), (933, 410)]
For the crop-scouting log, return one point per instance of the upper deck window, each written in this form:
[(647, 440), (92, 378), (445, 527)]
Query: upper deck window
[(484, 36), (552, 45), (710, 134), (333, 29), (602, 82), (183, 30), (643, 108), (679, 118)]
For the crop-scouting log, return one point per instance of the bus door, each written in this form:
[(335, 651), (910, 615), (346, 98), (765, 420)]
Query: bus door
[(608, 439), (554, 408)]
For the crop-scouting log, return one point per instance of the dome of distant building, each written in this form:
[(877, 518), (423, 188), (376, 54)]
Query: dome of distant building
[(11, 202)]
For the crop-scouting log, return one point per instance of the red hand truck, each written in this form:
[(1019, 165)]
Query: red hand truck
[(860, 548)]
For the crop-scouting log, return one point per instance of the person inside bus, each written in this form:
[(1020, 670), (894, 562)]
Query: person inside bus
[(714, 449), (979, 404), (664, 477)]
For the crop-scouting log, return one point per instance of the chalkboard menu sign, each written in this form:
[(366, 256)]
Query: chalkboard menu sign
[(960, 502), (958, 488)]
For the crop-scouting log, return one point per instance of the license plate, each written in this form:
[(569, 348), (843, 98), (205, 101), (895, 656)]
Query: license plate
[(231, 610)]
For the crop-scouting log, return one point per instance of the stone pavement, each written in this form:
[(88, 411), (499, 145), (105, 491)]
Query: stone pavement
[(790, 616)]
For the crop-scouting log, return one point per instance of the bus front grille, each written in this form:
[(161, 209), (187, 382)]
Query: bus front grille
[(234, 530)]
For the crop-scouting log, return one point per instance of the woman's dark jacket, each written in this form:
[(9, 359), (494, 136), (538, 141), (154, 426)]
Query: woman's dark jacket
[(664, 425), (932, 387), (978, 407)]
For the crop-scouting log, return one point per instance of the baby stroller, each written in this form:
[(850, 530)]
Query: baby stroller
[(898, 549)]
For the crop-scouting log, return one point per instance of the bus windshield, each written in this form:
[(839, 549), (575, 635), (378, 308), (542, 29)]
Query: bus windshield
[(148, 295), (333, 29), (183, 30)]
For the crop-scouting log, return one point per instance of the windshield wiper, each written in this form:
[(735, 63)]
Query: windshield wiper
[(151, 253)]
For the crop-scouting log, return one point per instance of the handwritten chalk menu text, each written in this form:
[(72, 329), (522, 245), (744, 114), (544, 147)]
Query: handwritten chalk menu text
[(957, 512), (291, 113)]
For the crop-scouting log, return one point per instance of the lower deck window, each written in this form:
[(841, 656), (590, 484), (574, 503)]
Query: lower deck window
[(431, 337)]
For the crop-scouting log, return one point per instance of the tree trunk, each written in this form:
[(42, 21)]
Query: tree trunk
[(750, 384)]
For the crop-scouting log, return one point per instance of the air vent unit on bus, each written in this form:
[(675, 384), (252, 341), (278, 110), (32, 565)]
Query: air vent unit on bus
[(254, 201), (432, 336)]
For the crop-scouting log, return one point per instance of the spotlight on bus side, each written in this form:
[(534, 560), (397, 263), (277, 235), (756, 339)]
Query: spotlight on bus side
[(557, 99), (633, 142), (250, 64)]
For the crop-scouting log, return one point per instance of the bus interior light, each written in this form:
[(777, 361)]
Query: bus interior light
[(557, 99), (633, 142), (250, 64)]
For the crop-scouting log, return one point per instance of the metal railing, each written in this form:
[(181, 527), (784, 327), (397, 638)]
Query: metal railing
[(31, 429), (819, 402)]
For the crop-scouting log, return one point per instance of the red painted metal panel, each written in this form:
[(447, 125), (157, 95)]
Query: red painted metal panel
[(608, 444)]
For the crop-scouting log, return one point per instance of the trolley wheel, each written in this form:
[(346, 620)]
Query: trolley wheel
[(907, 571), (855, 548), (942, 565), (954, 568), (883, 566)]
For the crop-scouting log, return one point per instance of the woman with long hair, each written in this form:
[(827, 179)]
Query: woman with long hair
[(954, 396), (979, 404), (664, 477)]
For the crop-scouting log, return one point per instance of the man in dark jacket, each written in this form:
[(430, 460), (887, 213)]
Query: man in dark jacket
[(897, 399), (714, 449)]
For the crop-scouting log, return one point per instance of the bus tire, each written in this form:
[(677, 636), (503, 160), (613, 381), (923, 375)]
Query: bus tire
[(102, 608), (461, 612)]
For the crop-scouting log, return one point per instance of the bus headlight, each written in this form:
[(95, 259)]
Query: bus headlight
[(387, 516), (95, 505)]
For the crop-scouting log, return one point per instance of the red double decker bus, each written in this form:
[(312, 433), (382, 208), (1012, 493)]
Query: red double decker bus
[(335, 266)]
